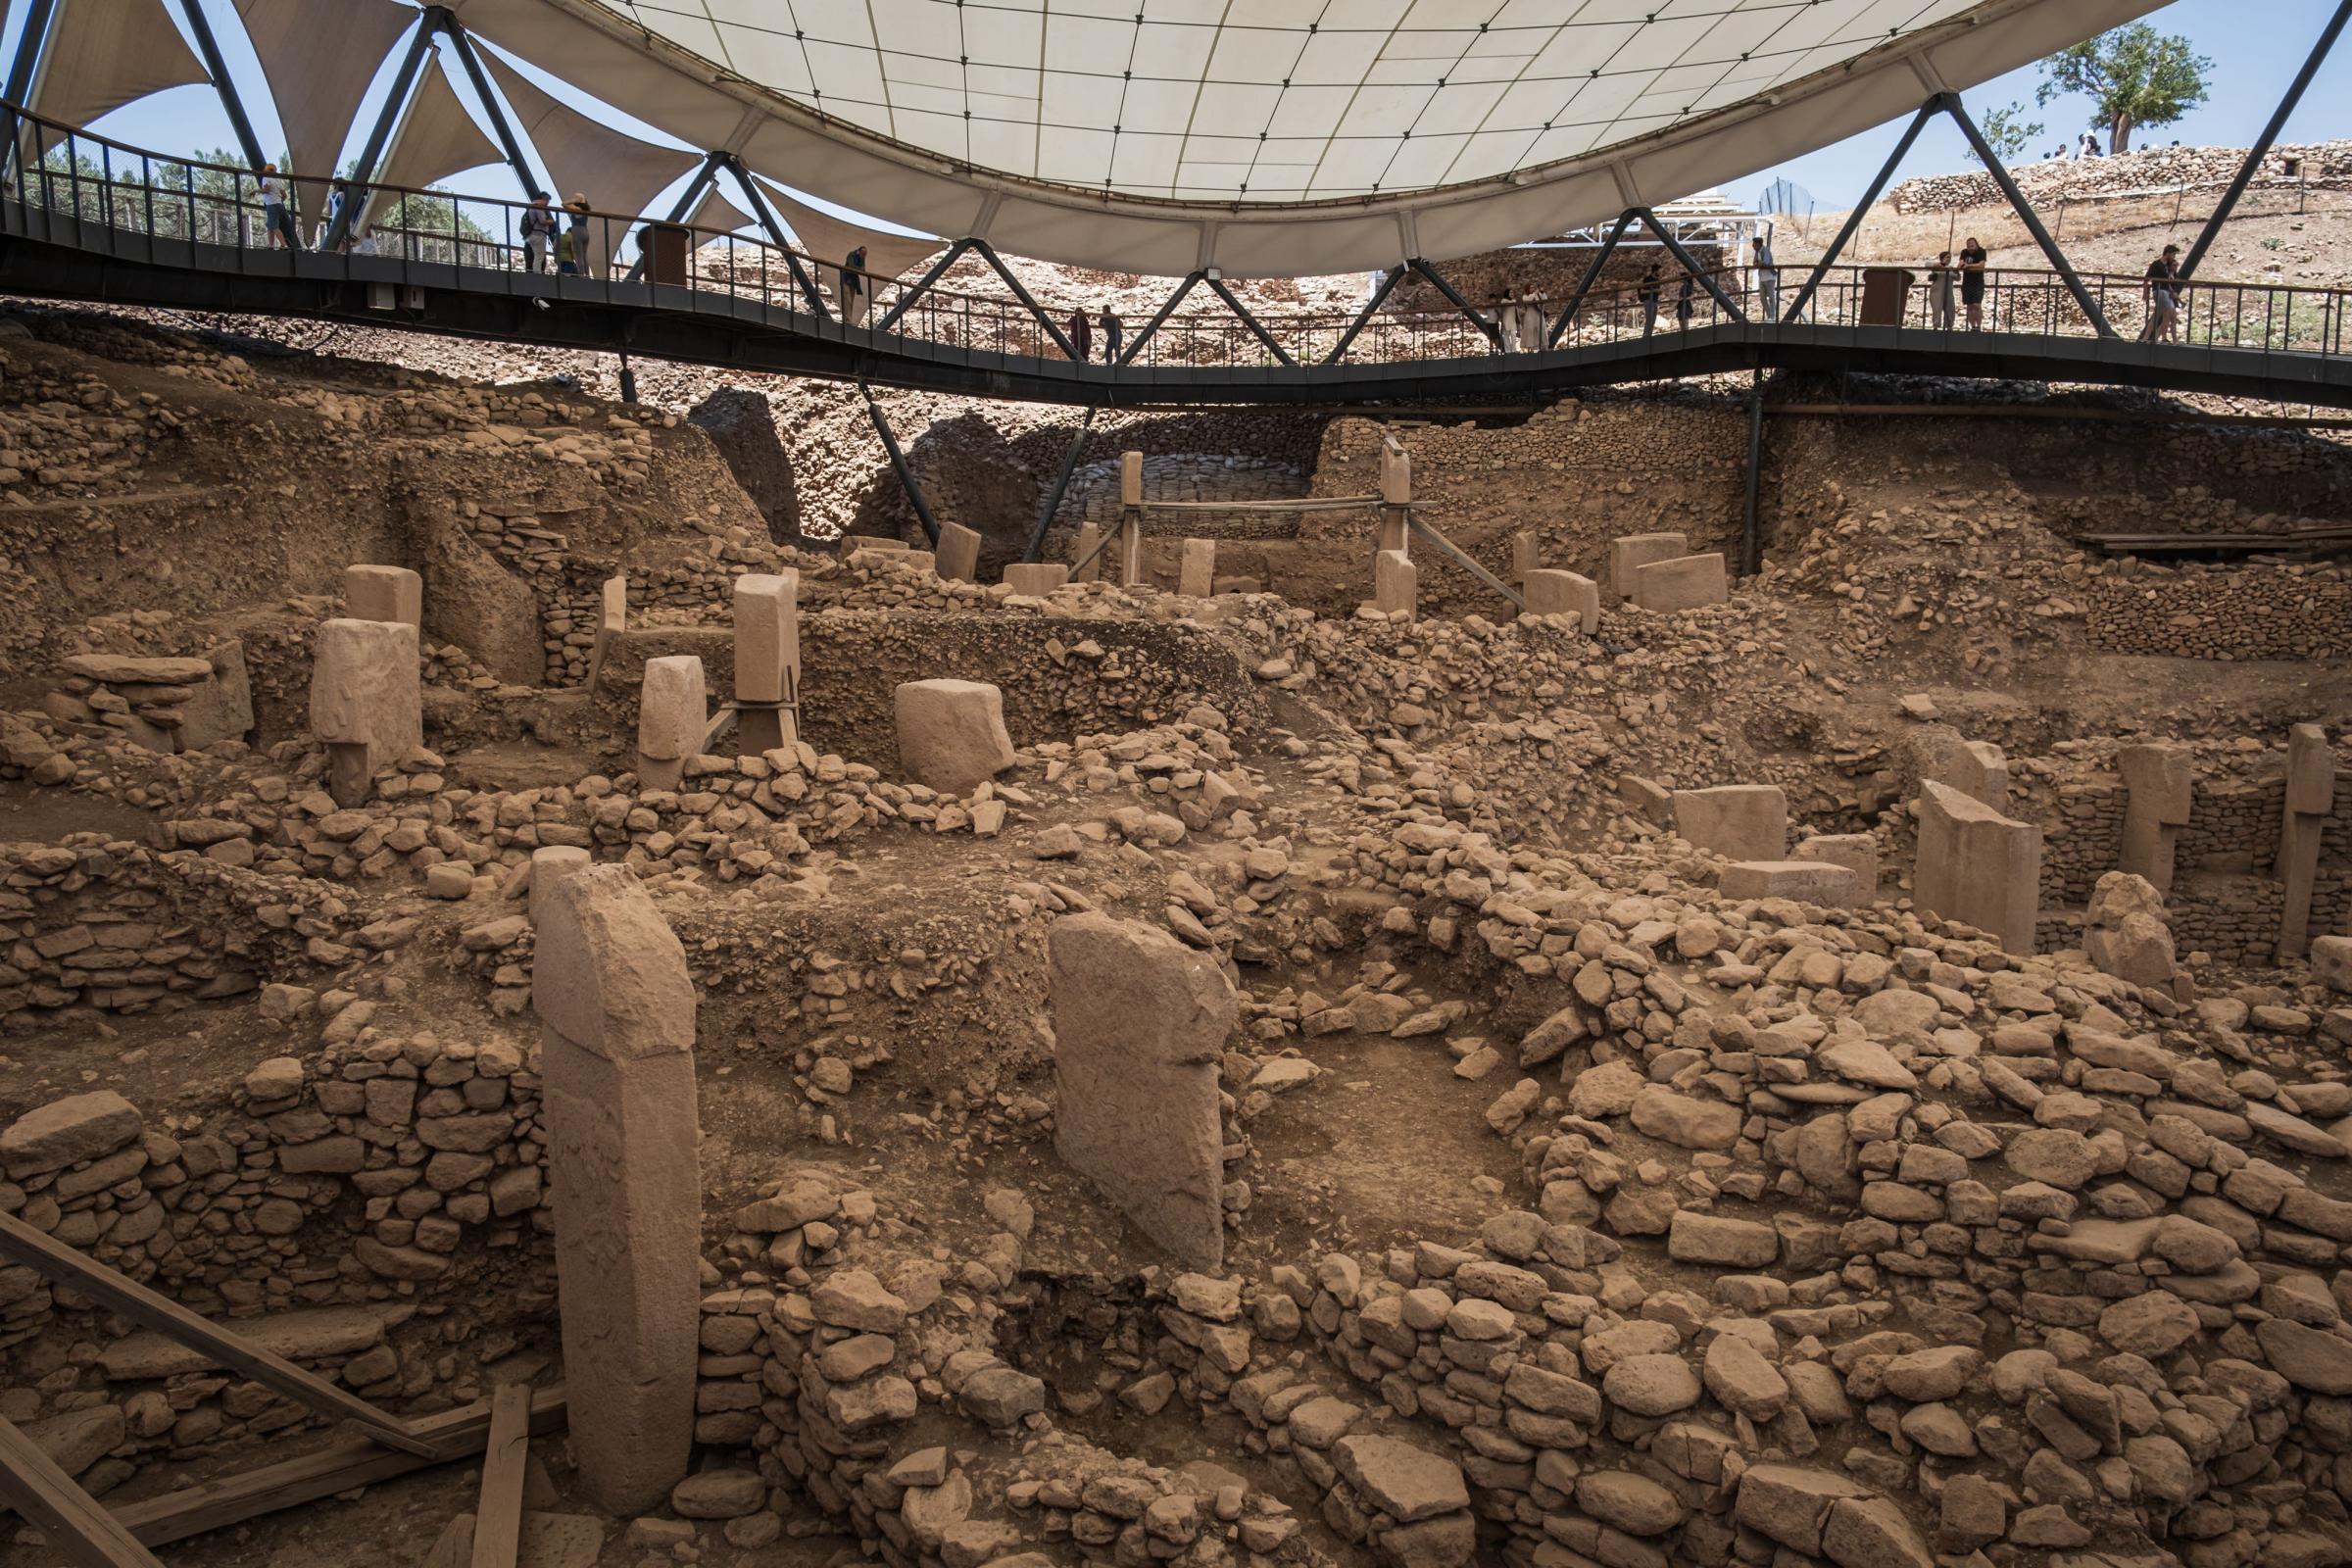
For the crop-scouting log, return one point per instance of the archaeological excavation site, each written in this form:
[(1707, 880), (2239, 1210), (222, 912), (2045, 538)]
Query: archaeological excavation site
[(1163, 889)]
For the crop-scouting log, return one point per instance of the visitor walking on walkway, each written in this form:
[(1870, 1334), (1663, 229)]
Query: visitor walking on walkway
[(538, 229), (1507, 324), (1768, 278), (2164, 289), (1939, 291), (275, 215), (1686, 303), (1971, 282), (1082, 335), (1112, 329), (1652, 287)]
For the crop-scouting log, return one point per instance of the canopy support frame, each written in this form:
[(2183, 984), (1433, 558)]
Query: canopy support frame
[(1363, 319), (231, 103), (774, 227), (443, 22), (1061, 484), (1583, 285), (371, 150), (2269, 135), (900, 465), (1136, 345), (995, 263), (1690, 265), (1853, 219), (1437, 280), (1257, 330), (922, 284)]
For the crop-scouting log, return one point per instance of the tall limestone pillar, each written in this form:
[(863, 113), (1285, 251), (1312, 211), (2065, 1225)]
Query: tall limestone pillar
[(2309, 797), (2158, 782), (615, 1007), (673, 712), (1395, 496), (1130, 543), (1978, 867)]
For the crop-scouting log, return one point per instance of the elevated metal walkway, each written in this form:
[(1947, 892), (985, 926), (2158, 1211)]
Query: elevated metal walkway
[(88, 220)]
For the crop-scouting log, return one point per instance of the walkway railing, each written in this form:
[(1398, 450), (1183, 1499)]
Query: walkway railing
[(58, 171)]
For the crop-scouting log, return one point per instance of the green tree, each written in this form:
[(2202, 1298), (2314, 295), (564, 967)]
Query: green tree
[(2133, 75), (2007, 131)]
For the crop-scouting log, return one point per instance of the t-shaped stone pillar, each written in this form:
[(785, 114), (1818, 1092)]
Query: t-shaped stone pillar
[(365, 703), (383, 593), (1130, 542), (767, 662), (615, 1006), (1976, 865), (611, 620), (2309, 797), (1139, 1022), (2160, 785), (1089, 555), (673, 711)]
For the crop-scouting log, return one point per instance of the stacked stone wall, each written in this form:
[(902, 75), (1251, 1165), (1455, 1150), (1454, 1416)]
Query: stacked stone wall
[(2242, 614)]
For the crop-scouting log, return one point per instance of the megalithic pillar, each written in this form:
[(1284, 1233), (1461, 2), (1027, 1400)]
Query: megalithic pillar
[(767, 662), (2309, 797), (1395, 496), (615, 1006), (1131, 518)]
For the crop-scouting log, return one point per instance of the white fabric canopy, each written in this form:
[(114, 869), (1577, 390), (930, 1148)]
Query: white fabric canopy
[(102, 54), (435, 139), (717, 215), (830, 239), (1395, 129), (318, 75), (617, 173)]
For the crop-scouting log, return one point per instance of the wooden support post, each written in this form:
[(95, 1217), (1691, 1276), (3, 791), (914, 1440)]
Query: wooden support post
[(75, 1527), (110, 1289), (498, 1517), (341, 1465)]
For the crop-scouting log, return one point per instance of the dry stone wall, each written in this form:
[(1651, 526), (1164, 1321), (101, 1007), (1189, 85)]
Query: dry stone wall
[(2284, 612), (2325, 165)]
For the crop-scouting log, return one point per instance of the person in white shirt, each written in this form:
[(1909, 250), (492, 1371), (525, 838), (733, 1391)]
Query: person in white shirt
[(275, 215)]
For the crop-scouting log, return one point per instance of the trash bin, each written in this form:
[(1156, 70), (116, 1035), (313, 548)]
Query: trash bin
[(665, 246), (1883, 291)]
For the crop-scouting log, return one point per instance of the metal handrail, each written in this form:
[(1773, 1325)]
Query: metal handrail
[(128, 189)]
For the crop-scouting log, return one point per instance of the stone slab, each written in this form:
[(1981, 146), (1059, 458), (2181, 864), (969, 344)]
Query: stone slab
[(1976, 865), (1630, 550), (1819, 882), (1738, 821), (1562, 593), (952, 733), (1139, 1025), (1688, 582), (384, 593)]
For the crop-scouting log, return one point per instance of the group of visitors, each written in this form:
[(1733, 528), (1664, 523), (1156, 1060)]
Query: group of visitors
[(1967, 276), (1080, 330), (1520, 323), (565, 238)]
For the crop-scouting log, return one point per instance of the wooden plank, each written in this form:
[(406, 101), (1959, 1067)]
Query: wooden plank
[(70, 1518), (110, 1289), (498, 1518), (339, 1466)]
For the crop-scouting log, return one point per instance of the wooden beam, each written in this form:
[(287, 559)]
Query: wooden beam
[(338, 1466), (112, 1291), (498, 1517), (70, 1520)]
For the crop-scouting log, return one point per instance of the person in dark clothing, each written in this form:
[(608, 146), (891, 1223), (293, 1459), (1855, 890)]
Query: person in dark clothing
[(2164, 288), (1685, 304), (1082, 335), (1112, 328), (1972, 283), (1651, 286), (852, 287)]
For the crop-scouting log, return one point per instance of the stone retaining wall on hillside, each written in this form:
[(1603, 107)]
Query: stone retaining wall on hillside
[(2235, 615)]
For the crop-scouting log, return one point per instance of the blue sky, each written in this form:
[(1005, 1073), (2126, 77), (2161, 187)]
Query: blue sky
[(2256, 46)]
